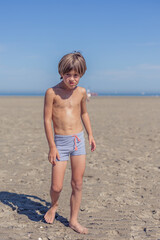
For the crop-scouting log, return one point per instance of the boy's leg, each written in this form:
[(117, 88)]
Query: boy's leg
[(58, 172), (78, 168)]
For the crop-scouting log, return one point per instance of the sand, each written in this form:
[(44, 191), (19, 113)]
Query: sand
[(121, 191)]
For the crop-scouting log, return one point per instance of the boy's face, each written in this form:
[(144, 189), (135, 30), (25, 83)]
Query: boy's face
[(71, 79)]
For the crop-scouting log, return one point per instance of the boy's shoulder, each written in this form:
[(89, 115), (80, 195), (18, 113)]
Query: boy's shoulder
[(82, 90), (50, 91)]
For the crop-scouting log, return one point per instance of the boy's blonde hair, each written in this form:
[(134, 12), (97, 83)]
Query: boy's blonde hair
[(72, 61)]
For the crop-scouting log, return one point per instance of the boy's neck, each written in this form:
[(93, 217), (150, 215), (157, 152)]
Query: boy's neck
[(63, 86)]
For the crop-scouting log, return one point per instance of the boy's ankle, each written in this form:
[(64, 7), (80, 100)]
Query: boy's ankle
[(54, 205), (73, 221)]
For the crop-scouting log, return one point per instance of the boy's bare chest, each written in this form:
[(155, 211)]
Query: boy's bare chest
[(70, 102)]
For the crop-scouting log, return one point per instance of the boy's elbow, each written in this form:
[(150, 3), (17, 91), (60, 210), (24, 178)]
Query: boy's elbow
[(84, 115), (47, 121)]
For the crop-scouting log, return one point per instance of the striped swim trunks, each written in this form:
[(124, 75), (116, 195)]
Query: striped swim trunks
[(73, 145)]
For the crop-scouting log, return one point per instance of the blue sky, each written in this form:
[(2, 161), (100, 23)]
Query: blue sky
[(120, 40)]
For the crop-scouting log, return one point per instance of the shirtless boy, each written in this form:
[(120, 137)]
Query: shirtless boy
[(65, 106)]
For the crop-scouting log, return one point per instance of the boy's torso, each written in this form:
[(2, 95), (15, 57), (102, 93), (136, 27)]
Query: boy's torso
[(66, 113)]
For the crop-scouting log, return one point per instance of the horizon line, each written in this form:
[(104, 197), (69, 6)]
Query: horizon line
[(108, 93)]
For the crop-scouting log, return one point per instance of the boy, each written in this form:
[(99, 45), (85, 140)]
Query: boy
[(65, 105)]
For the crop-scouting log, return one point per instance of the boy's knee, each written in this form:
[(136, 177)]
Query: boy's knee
[(77, 185), (56, 188)]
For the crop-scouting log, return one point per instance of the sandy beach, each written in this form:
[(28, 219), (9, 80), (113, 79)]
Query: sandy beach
[(121, 191)]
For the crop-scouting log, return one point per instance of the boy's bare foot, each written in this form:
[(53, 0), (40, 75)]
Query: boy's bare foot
[(78, 228), (50, 215)]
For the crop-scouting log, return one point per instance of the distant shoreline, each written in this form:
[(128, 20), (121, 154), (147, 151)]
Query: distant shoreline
[(123, 94)]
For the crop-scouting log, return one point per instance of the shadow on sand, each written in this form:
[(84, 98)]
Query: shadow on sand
[(31, 206)]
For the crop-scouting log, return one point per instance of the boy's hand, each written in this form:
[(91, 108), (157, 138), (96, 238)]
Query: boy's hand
[(52, 155), (92, 143)]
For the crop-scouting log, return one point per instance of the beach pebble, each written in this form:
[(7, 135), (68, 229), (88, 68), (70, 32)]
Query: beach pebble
[(41, 227), (82, 209), (39, 238)]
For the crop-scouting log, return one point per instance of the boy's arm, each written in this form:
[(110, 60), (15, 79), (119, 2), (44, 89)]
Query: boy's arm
[(86, 121), (48, 105)]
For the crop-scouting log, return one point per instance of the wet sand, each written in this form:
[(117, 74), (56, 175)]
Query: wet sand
[(121, 191)]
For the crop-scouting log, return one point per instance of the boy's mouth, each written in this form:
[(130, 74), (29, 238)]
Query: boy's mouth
[(71, 83)]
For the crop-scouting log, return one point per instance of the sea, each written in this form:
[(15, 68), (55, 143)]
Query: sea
[(123, 94)]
